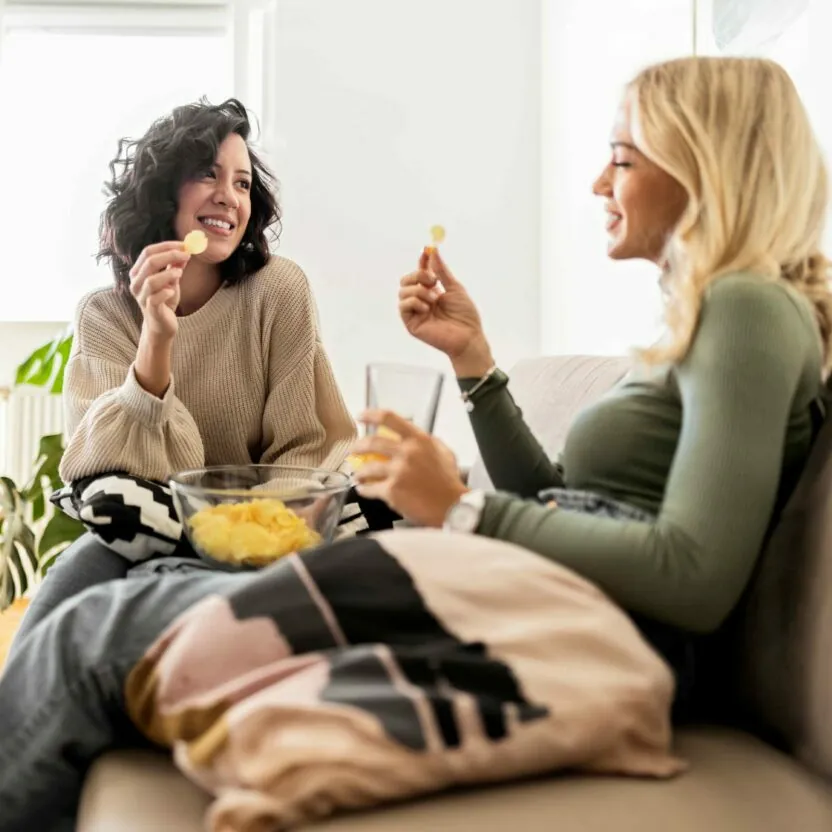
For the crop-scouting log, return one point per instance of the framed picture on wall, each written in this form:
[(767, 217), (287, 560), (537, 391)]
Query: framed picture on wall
[(744, 27), (792, 32)]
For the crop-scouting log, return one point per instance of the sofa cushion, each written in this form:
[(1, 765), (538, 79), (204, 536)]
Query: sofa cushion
[(735, 784), (551, 392), (784, 659)]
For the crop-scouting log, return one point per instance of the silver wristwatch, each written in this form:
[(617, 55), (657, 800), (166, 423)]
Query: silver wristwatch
[(464, 515)]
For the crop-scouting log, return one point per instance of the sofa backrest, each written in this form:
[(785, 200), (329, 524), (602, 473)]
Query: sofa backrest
[(550, 392), (783, 656)]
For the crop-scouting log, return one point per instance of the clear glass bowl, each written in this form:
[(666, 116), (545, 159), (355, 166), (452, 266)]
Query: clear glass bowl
[(234, 516)]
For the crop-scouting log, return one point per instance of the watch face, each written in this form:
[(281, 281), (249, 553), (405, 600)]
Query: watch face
[(464, 518)]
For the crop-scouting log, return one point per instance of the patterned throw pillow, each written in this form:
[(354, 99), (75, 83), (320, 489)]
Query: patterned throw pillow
[(137, 519), (132, 516)]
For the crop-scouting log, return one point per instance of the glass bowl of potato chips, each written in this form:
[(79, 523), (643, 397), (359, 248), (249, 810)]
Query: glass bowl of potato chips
[(249, 516)]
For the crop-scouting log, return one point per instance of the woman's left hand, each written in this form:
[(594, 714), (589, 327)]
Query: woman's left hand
[(419, 479)]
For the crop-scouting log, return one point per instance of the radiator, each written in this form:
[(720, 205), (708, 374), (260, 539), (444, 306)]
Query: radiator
[(26, 414)]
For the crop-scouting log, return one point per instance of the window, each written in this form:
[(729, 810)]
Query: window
[(73, 80)]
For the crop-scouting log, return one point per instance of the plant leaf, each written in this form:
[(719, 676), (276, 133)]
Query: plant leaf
[(50, 451), (7, 588), (33, 365), (51, 447), (47, 564), (24, 544), (41, 372), (38, 503), (45, 366), (61, 530), (8, 495), (26, 537), (64, 350), (22, 575), (17, 539), (21, 554)]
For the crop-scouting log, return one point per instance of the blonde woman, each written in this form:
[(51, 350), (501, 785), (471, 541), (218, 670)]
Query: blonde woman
[(666, 487)]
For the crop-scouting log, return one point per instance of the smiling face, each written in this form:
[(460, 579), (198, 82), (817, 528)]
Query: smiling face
[(643, 202), (218, 203)]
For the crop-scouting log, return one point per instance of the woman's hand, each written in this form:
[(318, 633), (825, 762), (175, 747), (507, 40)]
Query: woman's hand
[(420, 479), (449, 320), (154, 283)]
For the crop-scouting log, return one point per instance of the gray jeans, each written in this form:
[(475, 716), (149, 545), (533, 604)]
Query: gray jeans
[(61, 695), (85, 563)]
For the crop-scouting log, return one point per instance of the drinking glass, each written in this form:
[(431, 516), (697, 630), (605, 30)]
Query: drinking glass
[(412, 392)]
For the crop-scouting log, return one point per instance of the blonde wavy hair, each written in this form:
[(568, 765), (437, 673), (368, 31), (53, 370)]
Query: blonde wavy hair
[(734, 133)]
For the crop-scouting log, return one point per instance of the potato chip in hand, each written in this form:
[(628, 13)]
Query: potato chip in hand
[(357, 461), (437, 235), (195, 242)]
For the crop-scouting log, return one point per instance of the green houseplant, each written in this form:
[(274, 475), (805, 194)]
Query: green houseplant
[(32, 532)]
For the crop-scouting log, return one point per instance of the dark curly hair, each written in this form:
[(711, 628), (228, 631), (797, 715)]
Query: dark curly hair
[(146, 177)]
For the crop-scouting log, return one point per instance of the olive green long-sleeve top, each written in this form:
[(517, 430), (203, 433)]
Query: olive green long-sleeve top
[(707, 446)]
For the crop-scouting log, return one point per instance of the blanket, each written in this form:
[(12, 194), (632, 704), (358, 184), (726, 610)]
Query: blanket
[(383, 667)]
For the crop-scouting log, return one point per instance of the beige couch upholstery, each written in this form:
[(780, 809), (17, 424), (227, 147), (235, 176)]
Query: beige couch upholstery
[(736, 783)]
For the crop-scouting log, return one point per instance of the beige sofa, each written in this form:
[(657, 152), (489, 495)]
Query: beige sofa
[(780, 672)]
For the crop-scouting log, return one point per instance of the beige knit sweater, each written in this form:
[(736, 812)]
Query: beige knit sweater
[(251, 382)]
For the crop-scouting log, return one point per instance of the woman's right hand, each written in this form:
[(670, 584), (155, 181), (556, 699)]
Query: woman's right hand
[(154, 283), (449, 320)]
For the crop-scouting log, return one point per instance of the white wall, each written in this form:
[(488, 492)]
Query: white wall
[(393, 116), (590, 50), (491, 117)]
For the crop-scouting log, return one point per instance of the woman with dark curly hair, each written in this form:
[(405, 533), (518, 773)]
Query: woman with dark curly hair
[(192, 360)]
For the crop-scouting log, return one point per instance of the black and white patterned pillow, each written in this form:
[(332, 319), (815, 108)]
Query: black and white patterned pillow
[(137, 519), (132, 516)]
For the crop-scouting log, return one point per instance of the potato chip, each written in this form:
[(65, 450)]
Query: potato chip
[(195, 241), (357, 461), (253, 532), (437, 234)]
